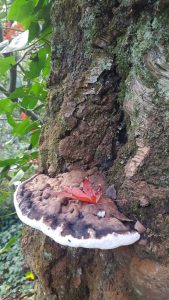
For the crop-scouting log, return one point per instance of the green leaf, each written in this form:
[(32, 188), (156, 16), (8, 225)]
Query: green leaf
[(7, 106), (7, 162), (21, 128), (11, 121), (17, 160), (18, 176), (19, 92), (30, 95), (22, 11), (29, 102), (4, 172), (9, 244), (3, 195), (34, 30), (34, 154), (5, 64), (32, 126), (46, 69), (35, 137), (36, 88), (39, 90), (36, 65)]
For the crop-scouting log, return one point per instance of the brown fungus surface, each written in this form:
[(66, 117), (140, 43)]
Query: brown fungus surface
[(37, 202)]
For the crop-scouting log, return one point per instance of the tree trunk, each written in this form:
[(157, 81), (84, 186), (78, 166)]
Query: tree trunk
[(108, 109)]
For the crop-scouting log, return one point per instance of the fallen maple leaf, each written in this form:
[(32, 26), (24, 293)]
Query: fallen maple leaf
[(87, 195)]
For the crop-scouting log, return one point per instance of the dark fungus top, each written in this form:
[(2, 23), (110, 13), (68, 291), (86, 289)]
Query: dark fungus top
[(36, 201)]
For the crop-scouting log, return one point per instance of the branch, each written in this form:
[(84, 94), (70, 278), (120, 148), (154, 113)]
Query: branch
[(5, 92), (13, 75), (34, 43), (33, 115), (27, 52), (19, 61), (22, 69), (1, 35), (46, 41)]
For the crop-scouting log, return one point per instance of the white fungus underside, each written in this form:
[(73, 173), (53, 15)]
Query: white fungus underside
[(110, 241)]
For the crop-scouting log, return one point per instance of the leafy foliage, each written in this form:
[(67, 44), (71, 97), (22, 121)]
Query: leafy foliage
[(8, 244), (24, 69), (5, 64), (23, 79), (13, 279)]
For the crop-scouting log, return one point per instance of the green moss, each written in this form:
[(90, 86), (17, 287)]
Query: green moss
[(122, 91), (131, 46), (122, 54), (88, 24), (61, 126), (146, 214), (116, 173)]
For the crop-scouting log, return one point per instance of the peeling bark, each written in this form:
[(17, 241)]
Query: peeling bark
[(108, 109)]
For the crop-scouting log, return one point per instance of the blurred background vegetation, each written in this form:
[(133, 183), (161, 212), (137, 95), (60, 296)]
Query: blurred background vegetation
[(25, 33)]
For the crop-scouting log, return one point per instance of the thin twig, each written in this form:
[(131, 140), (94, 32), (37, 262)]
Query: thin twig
[(33, 116), (34, 43), (27, 52), (22, 69), (46, 42), (19, 61), (2, 89)]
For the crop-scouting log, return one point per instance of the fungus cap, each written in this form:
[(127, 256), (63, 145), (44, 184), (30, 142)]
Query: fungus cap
[(70, 222)]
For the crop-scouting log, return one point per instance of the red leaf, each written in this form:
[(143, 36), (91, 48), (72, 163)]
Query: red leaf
[(98, 195), (82, 197), (87, 195), (87, 187)]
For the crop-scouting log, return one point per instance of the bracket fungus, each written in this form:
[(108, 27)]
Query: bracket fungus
[(40, 204)]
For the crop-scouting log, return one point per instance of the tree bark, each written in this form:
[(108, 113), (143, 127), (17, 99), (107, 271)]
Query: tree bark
[(108, 109)]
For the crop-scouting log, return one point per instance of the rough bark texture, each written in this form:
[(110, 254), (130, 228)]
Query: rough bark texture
[(108, 108)]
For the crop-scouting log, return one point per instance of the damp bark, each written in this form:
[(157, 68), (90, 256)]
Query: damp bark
[(108, 109)]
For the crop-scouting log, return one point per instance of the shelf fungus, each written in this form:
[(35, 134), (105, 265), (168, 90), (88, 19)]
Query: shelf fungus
[(42, 203)]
